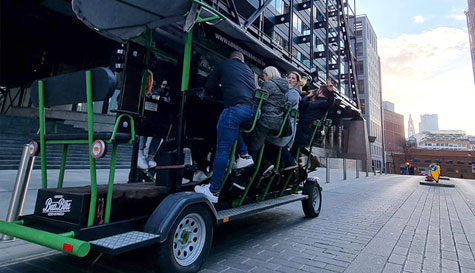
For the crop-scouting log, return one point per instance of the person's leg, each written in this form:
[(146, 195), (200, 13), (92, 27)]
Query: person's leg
[(228, 131), (257, 139), (152, 150), (241, 146), (142, 143), (288, 157), (141, 162)]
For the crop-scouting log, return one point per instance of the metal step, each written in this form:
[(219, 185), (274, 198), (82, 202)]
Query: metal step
[(225, 216), (124, 242)]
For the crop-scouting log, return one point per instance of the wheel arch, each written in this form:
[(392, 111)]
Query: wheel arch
[(166, 213)]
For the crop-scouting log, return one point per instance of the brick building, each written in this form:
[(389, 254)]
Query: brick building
[(394, 139), (452, 163)]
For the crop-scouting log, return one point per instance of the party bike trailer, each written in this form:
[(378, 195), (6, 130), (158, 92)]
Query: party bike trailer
[(165, 215)]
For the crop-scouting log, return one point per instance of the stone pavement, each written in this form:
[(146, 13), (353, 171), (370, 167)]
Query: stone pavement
[(385, 223)]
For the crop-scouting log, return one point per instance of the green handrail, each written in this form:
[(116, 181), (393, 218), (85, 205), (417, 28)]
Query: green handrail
[(92, 160), (238, 202), (62, 242), (287, 114), (110, 184), (63, 166), (271, 179), (262, 96), (116, 128), (230, 165)]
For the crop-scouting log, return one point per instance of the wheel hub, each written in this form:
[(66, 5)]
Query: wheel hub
[(189, 239)]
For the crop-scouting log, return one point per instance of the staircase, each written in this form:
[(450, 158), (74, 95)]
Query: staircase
[(16, 131)]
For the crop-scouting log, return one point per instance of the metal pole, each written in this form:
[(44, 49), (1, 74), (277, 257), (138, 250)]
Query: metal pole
[(344, 168), (367, 167), (357, 169), (21, 187), (328, 170)]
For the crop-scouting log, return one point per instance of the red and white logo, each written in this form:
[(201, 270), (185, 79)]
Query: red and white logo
[(98, 149)]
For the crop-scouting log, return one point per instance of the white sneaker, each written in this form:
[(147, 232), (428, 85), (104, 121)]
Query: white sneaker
[(185, 181), (141, 162), (243, 162), (199, 176), (204, 189), (152, 164)]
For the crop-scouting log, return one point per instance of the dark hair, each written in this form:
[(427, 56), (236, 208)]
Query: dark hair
[(325, 91)]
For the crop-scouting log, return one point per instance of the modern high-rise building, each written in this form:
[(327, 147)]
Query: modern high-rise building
[(429, 123), (368, 69), (410, 127), (470, 13)]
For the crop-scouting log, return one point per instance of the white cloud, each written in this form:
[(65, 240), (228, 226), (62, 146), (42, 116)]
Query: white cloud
[(460, 17), (430, 72), (418, 19)]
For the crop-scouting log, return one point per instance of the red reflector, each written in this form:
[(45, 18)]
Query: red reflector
[(67, 247)]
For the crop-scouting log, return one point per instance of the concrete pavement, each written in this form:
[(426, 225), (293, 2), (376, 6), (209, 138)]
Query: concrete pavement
[(385, 223)]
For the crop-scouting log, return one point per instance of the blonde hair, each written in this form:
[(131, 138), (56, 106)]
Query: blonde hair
[(301, 82), (149, 86), (271, 72)]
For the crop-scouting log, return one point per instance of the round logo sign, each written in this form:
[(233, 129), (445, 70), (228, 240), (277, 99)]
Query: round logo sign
[(98, 149)]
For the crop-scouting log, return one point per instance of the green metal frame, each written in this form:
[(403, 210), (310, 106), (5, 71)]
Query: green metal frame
[(238, 202), (89, 141), (279, 154), (61, 242)]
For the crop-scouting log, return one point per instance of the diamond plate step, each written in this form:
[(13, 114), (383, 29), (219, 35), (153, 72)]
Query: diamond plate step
[(225, 216), (121, 243)]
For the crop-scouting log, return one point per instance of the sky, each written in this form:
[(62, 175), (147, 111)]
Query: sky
[(425, 59)]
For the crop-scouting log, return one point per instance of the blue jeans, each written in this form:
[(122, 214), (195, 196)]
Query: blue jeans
[(228, 130), (152, 149)]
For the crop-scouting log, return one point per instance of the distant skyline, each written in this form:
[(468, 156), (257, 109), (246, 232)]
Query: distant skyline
[(425, 59)]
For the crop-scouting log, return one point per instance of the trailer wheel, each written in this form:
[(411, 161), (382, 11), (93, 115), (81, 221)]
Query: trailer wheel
[(312, 205), (188, 242)]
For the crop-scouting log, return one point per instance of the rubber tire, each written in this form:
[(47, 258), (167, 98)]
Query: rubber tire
[(162, 256), (313, 190)]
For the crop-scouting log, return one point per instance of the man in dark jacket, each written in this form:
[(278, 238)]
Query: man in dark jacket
[(237, 86)]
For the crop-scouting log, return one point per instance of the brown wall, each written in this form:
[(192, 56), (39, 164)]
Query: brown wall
[(417, 158), (394, 136)]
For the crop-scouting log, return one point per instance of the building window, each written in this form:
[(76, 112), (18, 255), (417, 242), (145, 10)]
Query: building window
[(460, 162), (281, 41), (437, 162), (305, 29), (361, 86), (319, 45), (359, 49), (280, 6), (463, 171), (450, 162), (450, 170), (427, 161), (415, 160), (360, 68), (297, 23), (363, 106)]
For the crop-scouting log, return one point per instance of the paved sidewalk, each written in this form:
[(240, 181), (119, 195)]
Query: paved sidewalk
[(385, 223)]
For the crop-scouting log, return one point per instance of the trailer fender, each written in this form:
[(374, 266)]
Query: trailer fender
[(164, 216)]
